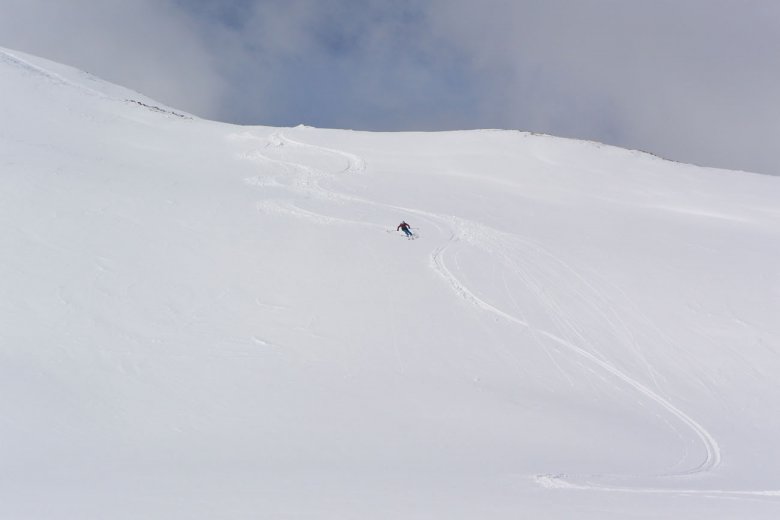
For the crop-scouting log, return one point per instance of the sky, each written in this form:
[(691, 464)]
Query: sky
[(695, 81)]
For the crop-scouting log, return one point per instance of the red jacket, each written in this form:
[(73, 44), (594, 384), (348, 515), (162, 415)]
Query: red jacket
[(402, 225)]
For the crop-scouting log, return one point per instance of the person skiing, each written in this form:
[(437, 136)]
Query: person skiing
[(406, 228)]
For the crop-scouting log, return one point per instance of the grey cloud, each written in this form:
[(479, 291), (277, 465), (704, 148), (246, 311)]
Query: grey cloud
[(695, 81), (146, 45)]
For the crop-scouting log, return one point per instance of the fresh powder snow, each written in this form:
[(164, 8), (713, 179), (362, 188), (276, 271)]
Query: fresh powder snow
[(203, 321)]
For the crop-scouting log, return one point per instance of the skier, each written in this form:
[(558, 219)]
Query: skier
[(406, 228)]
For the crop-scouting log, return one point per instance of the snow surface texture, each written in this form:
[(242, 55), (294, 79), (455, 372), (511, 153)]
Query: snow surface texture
[(204, 321)]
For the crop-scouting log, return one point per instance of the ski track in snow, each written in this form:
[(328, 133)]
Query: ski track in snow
[(355, 164), (458, 230)]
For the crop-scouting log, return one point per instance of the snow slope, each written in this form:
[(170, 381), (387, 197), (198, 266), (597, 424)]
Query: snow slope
[(200, 320)]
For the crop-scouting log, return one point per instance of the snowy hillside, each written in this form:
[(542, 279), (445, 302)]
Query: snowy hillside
[(201, 321)]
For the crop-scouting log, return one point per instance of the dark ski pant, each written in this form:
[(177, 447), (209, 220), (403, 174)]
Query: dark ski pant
[(407, 231)]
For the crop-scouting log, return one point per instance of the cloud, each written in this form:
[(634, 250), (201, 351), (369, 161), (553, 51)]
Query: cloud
[(150, 46), (695, 81)]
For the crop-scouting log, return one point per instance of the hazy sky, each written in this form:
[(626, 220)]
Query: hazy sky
[(692, 80)]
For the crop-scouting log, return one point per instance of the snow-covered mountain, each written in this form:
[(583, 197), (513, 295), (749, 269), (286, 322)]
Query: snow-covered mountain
[(200, 321)]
